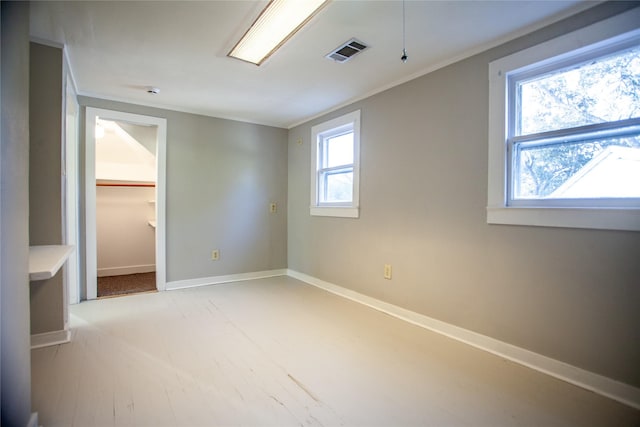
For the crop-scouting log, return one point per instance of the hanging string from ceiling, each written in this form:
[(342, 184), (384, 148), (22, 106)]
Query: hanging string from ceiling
[(404, 56)]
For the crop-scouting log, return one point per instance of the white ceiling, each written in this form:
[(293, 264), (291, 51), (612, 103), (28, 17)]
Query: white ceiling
[(117, 49)]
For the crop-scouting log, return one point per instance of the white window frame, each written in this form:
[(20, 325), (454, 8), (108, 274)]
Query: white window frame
[(318, 134), (610, 32)]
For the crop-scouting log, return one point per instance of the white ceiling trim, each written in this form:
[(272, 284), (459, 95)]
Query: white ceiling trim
[(298, 97), (452, 60), (176, 109)]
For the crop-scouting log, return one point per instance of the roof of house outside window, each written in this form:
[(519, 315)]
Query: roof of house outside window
[(615, 172)]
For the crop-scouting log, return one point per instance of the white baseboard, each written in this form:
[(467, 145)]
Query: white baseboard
[(602, 385), (50, 338), (129, 269), (204, 281)]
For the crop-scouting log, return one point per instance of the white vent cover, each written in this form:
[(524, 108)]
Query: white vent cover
[(346, 51)]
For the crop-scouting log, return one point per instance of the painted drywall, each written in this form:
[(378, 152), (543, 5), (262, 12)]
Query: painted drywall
[(145, 135), (221, 177), (45, 179), (15, 354), (120, 156), (569, 294), (125, 240)]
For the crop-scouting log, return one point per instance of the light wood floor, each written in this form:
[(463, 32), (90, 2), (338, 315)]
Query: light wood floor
[(277, 352)]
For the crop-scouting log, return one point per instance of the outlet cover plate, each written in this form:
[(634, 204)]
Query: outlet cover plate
[(387, 271)]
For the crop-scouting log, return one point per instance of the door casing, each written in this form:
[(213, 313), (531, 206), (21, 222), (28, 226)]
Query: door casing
[(91, 259)]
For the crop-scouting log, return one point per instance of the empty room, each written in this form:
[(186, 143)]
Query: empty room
[(320, 212)]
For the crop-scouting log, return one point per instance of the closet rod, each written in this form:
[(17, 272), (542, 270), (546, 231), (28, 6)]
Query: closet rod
[(101, 184)]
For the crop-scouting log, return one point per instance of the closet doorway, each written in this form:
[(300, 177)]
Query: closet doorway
[(125, 202)]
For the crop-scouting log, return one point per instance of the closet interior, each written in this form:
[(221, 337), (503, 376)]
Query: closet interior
[(125, 207)]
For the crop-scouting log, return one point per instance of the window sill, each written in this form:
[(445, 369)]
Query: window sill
[(602, 219), (342, 212)]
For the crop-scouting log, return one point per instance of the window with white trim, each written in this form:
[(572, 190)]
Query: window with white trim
[(564, 132), (335, 167)]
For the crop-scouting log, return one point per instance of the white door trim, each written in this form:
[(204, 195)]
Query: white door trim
[(90, 192), (71, 190)]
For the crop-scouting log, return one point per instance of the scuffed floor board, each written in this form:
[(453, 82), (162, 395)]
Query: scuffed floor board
[(280, 352)]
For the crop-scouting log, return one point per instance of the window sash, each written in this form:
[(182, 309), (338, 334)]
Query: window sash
[(322, 178), (558, 64), (586, 133), (613, 31), (325, 139), (320, 172), (323, 171)]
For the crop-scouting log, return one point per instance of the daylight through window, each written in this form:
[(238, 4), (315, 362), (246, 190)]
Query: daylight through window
[(335, 174), (575, 132), (564, 130), (335, 167)]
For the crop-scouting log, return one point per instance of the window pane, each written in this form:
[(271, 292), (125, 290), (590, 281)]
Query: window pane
[(602, 90), (339, 150), (596, 169), (338, 187)]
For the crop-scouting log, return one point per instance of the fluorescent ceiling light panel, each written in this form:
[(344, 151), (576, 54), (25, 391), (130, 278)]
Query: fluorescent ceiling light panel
[(276, 24)]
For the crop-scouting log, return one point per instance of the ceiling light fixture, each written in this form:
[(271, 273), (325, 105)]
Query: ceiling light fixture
[(276, 24)]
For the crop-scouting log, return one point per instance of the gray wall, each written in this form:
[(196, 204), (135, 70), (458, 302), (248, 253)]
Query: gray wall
[(569, 294), (45, 185), (221, 177), (15, 361)]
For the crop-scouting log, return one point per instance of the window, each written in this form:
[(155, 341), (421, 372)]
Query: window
[(564, 132), (335, 166)]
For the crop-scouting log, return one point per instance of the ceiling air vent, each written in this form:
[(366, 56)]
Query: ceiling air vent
[(346, 51)]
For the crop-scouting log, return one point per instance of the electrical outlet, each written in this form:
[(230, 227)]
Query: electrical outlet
[(387, 271), (273, 208), (215, 255)]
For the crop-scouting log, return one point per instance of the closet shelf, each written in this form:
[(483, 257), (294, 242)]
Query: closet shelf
[(121, 184), (46, 260)]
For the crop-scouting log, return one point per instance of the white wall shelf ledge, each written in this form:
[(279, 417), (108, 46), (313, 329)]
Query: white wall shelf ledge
[(45, 261)]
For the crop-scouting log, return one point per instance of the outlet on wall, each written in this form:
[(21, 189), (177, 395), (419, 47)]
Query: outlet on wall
[(387, 271), (273, 208), (215, 255)]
